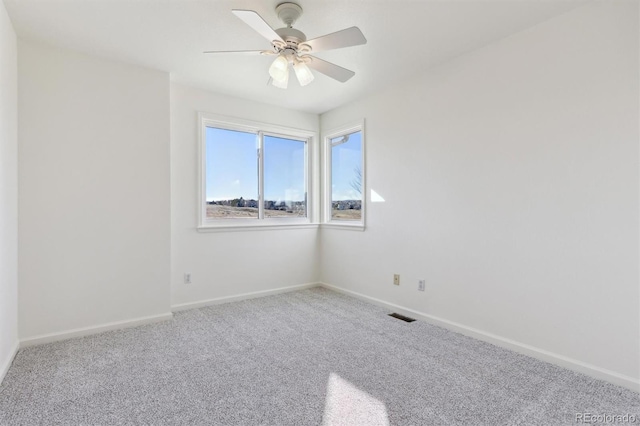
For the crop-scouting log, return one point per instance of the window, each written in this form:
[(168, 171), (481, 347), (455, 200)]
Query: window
[(344, 168), (231, 174), (284, 180), (253, 174)]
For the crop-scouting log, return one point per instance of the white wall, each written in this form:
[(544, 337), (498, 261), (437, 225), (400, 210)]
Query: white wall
[(8, 192), (93, 191), (510, 179), (228, 263)]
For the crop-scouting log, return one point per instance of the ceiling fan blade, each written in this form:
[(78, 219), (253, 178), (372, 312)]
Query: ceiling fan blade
[(256, 22), (330, 70), (344, 38), (238, 52)]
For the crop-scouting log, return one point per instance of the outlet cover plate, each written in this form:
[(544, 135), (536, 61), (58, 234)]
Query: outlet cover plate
[(421, 285)]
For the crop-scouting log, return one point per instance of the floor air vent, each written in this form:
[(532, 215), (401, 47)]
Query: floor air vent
[(401, 317)]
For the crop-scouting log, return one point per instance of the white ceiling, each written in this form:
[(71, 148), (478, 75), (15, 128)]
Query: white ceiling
[(405, 37)]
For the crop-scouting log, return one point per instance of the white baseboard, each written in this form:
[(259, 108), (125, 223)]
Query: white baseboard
[(86, 331), (238, 297), (541, 354), (80, 332), (7, 364)]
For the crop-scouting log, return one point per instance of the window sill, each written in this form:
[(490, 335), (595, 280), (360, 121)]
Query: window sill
[(344, 226), (236, 227)]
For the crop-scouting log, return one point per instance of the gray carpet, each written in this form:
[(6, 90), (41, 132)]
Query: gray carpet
[(304, 358)]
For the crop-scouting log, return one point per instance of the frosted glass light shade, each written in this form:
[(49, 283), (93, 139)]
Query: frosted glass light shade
[(279, 69), (282, 83), (303, 73)]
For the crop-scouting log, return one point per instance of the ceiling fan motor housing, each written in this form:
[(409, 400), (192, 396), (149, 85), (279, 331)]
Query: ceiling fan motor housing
[(289, 13), (291, 36)]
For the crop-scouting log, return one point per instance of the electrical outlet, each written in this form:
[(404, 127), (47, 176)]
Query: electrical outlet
[(396, 279), (421, 285), (187, 278)]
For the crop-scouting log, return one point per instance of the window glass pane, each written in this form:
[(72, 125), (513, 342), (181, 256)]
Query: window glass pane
[(346, 177), (284, 178), (231, 174)]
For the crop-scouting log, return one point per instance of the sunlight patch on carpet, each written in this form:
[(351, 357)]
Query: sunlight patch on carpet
[(347, 405)]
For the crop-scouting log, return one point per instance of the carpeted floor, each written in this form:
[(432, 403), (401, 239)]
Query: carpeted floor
[(305, 358)]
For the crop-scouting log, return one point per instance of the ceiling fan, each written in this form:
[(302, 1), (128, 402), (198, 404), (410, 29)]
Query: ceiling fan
[(291, 47)]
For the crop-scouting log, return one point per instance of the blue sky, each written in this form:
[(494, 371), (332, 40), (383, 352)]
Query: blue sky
[(345, 159), (232, 167), (283, 169)]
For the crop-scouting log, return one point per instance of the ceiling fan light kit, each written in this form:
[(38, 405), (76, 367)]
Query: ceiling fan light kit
[(279, 69), (281, 83), (293, 49), (303, 73)]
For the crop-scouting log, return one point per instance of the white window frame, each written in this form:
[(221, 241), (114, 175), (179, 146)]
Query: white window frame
[(260, 129), (328, 221)]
